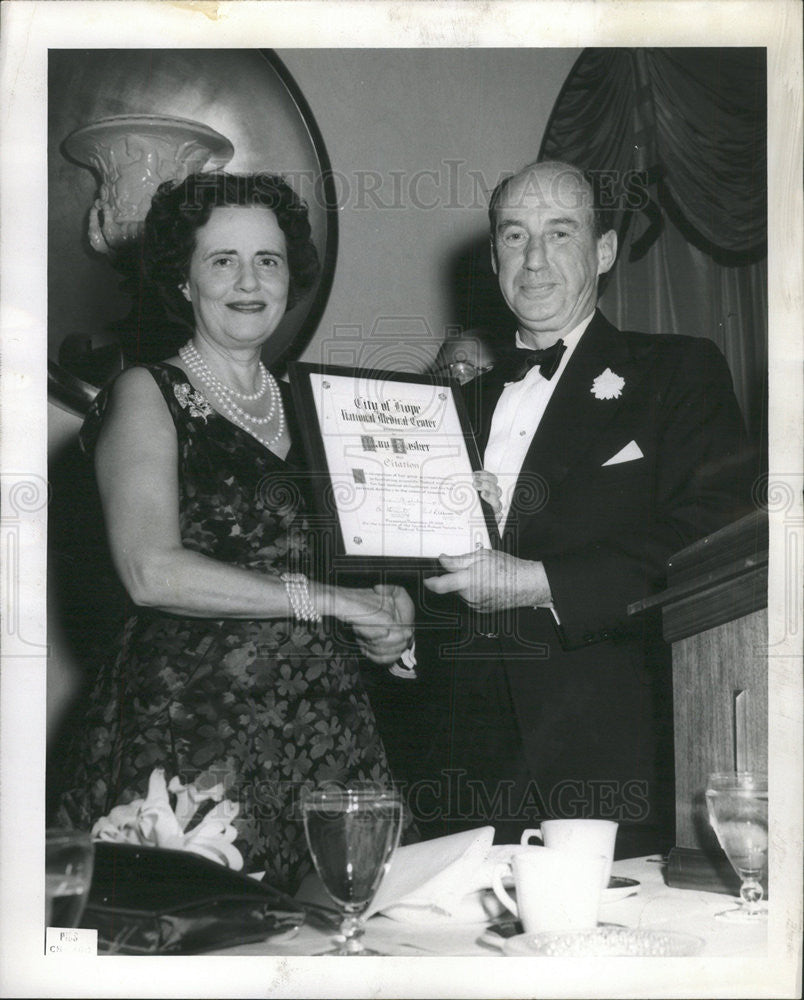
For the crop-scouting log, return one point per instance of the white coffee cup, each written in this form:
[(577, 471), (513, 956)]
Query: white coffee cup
[(587, 836), (555, 890)]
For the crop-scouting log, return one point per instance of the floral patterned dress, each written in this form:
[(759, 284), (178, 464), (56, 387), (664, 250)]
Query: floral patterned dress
[(265, 706)]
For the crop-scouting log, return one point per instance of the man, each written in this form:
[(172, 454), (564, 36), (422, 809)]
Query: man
[(613, 450)]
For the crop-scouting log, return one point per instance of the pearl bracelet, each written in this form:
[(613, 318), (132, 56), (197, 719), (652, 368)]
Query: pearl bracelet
[(298, 590)]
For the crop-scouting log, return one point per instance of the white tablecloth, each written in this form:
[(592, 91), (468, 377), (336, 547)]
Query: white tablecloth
[(654, 906)]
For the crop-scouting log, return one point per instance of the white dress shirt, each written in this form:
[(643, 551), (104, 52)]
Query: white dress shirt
[(517, 416)]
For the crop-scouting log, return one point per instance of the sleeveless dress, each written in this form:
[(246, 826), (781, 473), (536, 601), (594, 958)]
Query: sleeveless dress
[(265, 706)]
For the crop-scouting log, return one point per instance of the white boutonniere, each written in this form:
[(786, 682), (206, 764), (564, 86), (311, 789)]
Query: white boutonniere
[(607, 385), (192, 400), (154, 822)]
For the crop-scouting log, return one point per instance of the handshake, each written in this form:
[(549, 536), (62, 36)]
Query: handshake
[(384, 632)]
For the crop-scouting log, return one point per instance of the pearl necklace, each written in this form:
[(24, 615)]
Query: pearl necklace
[(238, 416), (190, 355), (201, 370)]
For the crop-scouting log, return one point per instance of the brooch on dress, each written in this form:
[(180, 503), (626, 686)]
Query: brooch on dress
[(192, 400), (607, 385)]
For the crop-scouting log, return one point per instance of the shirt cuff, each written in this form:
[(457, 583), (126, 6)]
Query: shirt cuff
[(549, 604), (405, 666)]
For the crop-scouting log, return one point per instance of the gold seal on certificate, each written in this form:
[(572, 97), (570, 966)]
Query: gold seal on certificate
[(392, 459)]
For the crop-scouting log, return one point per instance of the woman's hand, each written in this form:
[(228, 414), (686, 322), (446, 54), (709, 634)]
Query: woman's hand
[(488, 488), (383, 627)]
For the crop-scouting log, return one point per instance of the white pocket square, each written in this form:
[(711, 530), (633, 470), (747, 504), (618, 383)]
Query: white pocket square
[(629, 453)]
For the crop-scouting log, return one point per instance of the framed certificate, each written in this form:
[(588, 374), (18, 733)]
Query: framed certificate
[(392, 457)]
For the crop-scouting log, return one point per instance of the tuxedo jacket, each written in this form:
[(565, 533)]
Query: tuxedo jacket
[(640, 451)]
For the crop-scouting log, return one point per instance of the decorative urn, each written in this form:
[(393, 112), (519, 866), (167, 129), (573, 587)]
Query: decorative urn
[(132, 155)]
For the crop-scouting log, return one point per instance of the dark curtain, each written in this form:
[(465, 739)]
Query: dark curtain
[(675, 140)]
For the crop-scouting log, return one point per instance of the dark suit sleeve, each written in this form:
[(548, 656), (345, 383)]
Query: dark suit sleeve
[(700, 484)]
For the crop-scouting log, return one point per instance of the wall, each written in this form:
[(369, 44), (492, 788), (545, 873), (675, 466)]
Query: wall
[(407, 237)]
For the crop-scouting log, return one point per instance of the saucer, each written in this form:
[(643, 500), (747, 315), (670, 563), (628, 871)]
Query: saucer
[(498, 933), (602, 942)]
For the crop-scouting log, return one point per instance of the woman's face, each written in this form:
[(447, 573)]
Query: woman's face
[(238, 276)]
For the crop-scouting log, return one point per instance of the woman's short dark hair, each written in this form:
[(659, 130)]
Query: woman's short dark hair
[(179, 209)]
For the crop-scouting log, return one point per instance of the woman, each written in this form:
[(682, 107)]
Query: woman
[(227, 665)]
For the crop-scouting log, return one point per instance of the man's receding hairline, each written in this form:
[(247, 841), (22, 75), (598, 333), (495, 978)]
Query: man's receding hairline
[(548, 168), (551, 168)]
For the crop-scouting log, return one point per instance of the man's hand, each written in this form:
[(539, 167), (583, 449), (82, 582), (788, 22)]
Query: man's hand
[(492, 581), (487, 486), (384, 644)]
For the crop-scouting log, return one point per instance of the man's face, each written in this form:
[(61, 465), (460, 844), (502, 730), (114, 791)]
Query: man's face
[(545, 254)]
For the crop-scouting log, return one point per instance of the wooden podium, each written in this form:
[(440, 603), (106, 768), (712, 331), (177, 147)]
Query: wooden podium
[(714, 613)]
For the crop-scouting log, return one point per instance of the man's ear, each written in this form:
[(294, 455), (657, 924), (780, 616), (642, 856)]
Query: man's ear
[(185, 291), (606, 251), (493, 255)]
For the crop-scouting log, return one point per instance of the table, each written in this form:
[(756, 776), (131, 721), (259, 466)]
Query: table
[(654, 906)]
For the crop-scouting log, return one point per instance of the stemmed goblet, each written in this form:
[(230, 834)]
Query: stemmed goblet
[(738, 812), (352, 833)]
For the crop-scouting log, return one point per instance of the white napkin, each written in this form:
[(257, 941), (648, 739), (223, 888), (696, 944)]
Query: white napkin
[(443, 880)]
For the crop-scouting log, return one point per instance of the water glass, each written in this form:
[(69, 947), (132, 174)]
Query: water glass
[(352, 833)]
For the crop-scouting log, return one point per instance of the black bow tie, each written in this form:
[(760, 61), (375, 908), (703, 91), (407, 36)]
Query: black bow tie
[(517, 364)]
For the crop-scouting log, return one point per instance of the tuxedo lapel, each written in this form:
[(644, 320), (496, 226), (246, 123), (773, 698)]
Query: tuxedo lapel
[(575, 417)]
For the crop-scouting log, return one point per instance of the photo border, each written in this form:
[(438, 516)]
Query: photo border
[(29, 28)]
